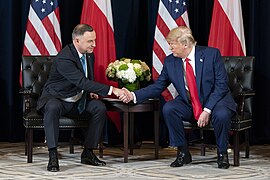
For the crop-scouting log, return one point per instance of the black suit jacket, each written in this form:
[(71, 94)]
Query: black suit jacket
[(67, 77)]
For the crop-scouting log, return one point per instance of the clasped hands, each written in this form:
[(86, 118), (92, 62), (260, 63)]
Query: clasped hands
[(123, 94)]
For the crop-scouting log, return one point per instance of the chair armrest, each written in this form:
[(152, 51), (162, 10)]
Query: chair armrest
[(27, 96), (28, 92), (247, 93), (242, 96), (24, 91)]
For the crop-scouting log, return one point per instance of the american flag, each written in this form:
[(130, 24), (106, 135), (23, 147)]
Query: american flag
[(43, 35), (171, 13)]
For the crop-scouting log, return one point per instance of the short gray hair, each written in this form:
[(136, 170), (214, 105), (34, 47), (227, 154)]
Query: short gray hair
[(80, 29)]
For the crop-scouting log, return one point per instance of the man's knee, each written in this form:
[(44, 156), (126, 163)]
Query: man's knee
[(222, 117), (99, 107), (53, 106), (168, 108)]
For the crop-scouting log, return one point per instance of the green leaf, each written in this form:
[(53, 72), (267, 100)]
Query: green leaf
[(123, 67), (135, 61)]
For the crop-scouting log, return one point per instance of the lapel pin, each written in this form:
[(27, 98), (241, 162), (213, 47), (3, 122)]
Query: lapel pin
[(201, 60)]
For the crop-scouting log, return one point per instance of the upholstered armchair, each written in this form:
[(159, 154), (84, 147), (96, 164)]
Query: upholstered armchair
[(35, 71), (240, 76)]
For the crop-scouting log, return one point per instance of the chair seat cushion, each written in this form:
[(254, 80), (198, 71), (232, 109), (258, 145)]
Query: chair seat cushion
[(35, 120), (237, 123)]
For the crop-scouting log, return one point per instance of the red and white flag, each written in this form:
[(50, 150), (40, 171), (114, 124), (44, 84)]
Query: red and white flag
[(170, 15), (43, 35), (98, 14), (227, 31)]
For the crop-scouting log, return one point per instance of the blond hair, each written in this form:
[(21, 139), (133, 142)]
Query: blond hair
[(183, 35)]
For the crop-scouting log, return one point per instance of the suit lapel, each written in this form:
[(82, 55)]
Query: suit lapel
[(76, 56), (199, 61), (90, 66), (179, 71)]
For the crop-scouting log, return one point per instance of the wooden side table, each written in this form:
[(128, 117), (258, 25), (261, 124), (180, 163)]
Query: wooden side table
[(129, 109)]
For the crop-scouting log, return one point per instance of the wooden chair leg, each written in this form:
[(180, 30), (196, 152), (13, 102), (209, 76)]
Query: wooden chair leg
[(101, 149), (71, 142), (236, 148), (247, 142), (202, 143), (25, 141), (29, 145)]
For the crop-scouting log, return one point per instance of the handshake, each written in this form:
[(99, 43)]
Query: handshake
[(123, 94)]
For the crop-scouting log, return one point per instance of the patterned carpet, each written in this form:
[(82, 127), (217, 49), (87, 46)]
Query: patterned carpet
[(141, 165)]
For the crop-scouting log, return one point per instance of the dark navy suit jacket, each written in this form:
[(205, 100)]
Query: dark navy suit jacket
[(67, 77), (211, 79)]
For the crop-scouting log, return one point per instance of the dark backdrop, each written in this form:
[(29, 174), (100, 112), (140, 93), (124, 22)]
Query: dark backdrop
[(134, 23)]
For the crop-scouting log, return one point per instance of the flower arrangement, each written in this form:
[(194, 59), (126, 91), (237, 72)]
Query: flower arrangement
[(128, 71)]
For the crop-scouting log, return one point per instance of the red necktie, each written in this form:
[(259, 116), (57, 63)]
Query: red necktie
[(191, 82)]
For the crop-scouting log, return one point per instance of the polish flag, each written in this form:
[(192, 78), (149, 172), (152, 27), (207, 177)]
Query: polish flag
[(227, 31), (98, 14)]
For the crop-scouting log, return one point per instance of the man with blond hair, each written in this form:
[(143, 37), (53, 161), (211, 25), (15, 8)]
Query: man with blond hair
[(198, 75)]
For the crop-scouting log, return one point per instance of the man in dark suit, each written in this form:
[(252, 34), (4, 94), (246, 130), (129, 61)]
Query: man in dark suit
[(71, 90), (212, 91)]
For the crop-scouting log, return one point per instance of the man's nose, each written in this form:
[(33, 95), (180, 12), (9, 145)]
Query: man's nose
[(94, 44)]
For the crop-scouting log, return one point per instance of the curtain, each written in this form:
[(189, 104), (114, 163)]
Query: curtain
[(134, 23)]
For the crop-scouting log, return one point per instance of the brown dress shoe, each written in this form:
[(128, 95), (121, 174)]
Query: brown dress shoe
[(181, 159), (223, 161), (53, 164), (88, 157)]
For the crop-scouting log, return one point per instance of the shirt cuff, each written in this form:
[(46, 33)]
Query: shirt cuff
[(134, 97), (207, 110), (110, 91)]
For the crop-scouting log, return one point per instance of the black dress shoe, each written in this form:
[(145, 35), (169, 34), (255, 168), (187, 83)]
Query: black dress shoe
[(223, 161), (88, 157), (53, 164), (181, 159)]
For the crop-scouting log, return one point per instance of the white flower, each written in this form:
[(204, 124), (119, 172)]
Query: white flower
[(128, 70), (128, 75)]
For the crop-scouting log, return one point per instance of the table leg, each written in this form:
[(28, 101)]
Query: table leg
[(125, 137), (131, 133), (156, 126)]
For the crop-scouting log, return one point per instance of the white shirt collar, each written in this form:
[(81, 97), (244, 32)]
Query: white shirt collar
[(191, 55), (80, 54)]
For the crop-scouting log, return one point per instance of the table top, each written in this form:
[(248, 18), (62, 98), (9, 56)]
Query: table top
[(113, 104)]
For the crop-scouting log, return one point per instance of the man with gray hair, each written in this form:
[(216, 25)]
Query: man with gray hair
[(199, 76)]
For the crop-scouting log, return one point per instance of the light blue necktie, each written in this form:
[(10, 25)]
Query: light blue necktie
[(83, 64), (82, 101)]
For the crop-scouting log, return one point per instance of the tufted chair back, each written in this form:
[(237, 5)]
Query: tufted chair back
[(35, 72), (240, 78)]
